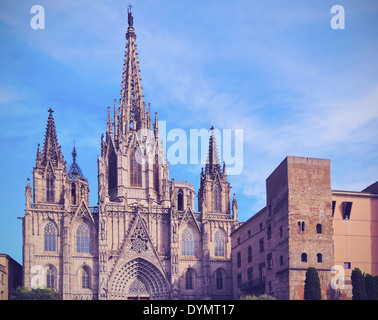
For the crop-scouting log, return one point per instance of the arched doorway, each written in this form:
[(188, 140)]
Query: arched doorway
[(139, 279)]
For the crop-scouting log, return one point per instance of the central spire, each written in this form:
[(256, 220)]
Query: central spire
[(132, 109)]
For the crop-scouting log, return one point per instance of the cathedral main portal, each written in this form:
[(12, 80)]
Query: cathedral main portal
[(139, 280)]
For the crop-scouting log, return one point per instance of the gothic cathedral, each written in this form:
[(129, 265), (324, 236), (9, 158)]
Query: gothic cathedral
[(144, 240)]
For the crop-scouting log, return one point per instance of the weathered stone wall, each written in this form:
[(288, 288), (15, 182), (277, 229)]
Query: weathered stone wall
[(310, 222)]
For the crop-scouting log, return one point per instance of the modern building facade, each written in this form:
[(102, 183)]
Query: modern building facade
[(144, 239), (305, 224), (355, 224)]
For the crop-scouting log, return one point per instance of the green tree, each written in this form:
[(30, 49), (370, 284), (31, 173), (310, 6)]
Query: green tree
[(23, 293), (312, 290), (358, 285), (371, 287)]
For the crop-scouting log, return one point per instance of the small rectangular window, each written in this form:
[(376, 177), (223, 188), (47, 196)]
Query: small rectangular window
[(333, 207), (347, 265), (269, 260), (239, 259), (261, 245), (347, 208), (261, 270), (239, 280), (249, 254), (250, 274)]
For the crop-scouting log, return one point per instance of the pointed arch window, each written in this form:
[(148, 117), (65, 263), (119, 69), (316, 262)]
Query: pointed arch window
[(189, 279), (50, 188), (219, 280), (73, 193), (112, 179), (50, 278), (50, 237), (82, 191), (219, 242), (217, 198), (135, 170), (188, 244), (83, 239), (180, 200), (85, 279), (156, 173)]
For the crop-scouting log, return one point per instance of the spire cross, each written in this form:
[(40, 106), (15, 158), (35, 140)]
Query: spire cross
[(130, 18), (51, 111)]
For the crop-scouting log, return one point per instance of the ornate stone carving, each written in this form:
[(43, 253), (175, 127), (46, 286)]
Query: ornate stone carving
[(138, 287), (139, 238)]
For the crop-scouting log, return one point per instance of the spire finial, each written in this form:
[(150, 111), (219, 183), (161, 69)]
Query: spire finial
[(130, 18), (212, 162), (74, 154), (50, 111)]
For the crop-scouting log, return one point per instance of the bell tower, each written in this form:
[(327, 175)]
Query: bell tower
[(79, 188), (214, 192), (50, 170)]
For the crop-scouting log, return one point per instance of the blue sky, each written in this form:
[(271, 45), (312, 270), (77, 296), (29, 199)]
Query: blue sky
[(275, 69)]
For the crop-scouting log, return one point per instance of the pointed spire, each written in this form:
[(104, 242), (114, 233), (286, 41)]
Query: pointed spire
[(51, 149), (212, 162), (156, 126), (74, 168), (132, 110), (74, 154), (149, 117), (115, 118), (39, 156), (109, 123)]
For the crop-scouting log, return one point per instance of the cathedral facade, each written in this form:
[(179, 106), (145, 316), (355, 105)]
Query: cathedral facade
[(144, 239)]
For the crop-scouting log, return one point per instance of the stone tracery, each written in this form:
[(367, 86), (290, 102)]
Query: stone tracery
[(143, 271)]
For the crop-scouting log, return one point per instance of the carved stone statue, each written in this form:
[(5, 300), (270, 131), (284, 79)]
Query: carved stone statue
[(130, 18), (28, 194)]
